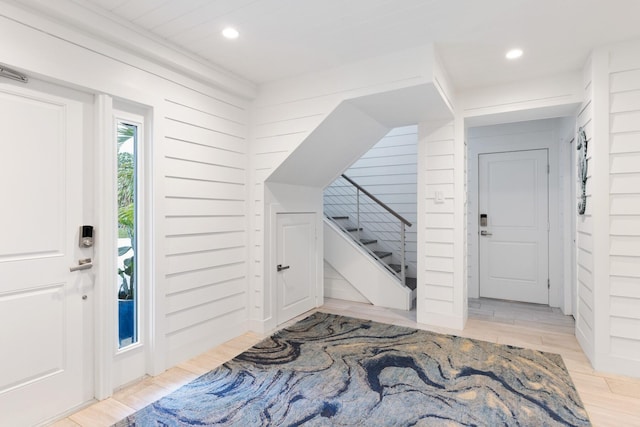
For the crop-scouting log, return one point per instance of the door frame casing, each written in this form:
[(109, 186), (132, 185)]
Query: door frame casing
[(132, 362), (105, 219), (284, 198), (105, 166), (530, 134)]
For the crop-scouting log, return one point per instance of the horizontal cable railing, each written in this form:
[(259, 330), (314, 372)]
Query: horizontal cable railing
[(368, 220)]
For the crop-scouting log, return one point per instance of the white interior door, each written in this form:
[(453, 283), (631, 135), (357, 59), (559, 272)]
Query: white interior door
[(513, 194), (43, 370), (296, 286)]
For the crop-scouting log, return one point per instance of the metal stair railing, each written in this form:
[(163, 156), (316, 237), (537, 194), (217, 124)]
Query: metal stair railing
[(355, 210)]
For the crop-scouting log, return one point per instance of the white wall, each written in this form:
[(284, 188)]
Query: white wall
[(441, 253), (536, 99), (190, 316), (199, 203), (612, 342), (624, 229), (287, 112), (552, 97), (336, 286), (548, 134), (205, 238), (585, 320), (442, 166)]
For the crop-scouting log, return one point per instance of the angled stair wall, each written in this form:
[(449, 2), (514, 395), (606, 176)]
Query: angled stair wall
[(380, 250), (364, 272)]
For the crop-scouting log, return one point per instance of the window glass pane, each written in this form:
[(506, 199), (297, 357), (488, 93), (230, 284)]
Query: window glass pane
[(127, 140)]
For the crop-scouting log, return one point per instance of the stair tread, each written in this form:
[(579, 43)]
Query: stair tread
[(382, 254), (396, 267), (410, 282)]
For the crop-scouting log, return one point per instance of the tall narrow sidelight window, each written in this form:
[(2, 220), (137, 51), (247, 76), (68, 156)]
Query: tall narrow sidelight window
[(127, 286)]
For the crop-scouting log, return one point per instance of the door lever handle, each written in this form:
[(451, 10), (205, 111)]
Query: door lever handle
[(83, 264), (281, 267), (485, 233)]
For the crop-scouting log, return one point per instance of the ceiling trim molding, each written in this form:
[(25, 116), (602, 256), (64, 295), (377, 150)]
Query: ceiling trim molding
[(104, 28)]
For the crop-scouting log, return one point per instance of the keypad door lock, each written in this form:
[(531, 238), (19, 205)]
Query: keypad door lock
[(86, 236)]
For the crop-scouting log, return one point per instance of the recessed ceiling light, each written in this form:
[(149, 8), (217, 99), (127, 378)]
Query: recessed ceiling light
[(230, 33), (514, 54)]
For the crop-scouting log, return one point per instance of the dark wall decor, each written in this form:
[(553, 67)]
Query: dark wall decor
[(582, 169)]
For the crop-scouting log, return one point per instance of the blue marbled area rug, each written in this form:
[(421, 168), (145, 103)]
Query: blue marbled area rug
[(329, 370)]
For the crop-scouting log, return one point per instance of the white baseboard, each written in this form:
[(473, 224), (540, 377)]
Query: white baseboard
[(617, 365), (586, 344), (262, 327)]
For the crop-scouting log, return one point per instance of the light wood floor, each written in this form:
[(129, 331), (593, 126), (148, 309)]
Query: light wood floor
[(610, 400)]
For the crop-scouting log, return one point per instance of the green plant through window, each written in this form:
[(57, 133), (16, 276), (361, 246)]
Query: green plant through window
[(127, 135)]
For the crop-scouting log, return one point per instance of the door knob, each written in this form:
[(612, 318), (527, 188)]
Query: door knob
[(485, 233), (281, 267)]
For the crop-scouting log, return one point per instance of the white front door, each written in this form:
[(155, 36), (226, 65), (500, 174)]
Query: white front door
[(296, 286), (44, 307), (513, 194)]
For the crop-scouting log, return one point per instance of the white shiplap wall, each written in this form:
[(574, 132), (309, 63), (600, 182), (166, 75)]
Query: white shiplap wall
[(198, 141), (624, 208), (389, 172), (609, 235), (205, 175), (276, 131), (286, 112), (584, 232), (437, 277)]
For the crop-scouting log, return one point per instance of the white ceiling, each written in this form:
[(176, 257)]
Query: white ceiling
[(282, 38)]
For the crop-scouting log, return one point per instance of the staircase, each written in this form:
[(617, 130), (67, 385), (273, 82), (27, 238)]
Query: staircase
[(374, 231)]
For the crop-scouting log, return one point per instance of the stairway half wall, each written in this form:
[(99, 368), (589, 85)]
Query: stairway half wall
[(363, 272)]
